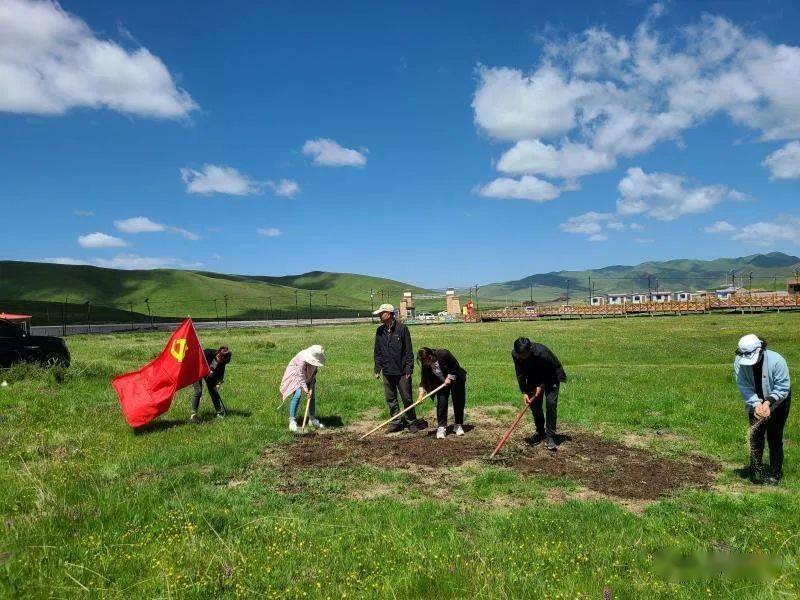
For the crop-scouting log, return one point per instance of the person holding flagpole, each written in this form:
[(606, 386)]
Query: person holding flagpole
[(217, 359)]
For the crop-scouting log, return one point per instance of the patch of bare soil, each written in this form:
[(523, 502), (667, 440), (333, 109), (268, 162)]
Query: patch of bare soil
[(602, 468)]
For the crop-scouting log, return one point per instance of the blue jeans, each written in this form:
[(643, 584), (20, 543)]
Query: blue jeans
[(295, 402)]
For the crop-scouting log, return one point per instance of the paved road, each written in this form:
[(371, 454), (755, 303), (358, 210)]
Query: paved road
[(121, 327)]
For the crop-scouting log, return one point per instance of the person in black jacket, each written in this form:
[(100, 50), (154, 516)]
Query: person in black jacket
[(539, 374), (394, 359), (440, 366), (217, 359)]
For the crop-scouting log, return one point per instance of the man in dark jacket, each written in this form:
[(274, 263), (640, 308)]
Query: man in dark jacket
[(394, 358), (539, 374), (217, 359)]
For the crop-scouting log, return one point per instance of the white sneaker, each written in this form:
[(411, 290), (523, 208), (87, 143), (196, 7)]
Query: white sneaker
[(293, 425), (459, 430), (315, 423), (441, 433)]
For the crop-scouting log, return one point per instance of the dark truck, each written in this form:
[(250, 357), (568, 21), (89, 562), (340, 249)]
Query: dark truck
[(18, 345)]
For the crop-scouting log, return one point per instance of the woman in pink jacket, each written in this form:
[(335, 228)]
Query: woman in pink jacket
[(301, 377)]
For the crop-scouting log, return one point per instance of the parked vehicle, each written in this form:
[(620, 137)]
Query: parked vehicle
[(425, 316), (17, 345), (443, 314)]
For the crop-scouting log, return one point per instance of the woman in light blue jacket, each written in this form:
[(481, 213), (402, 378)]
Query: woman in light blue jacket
[(763, 379)]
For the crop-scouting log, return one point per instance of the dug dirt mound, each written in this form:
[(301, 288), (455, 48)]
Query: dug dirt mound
[(609, 468)]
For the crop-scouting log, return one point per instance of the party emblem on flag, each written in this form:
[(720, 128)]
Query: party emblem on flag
[(148, 392)]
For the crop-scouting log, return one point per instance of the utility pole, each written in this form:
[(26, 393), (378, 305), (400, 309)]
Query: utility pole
[(226, 311), (64, 316), (372, 303), (476, 299), (88, 316), (531, 293), (591, 293), (310, 310), (326, 307), (296, 309), (149, 312), (568, 282), (216, 312), (131, 303), (270, 307)]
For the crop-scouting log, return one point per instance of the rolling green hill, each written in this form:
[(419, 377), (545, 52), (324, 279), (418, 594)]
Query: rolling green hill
[(49, 290), (769, 271)]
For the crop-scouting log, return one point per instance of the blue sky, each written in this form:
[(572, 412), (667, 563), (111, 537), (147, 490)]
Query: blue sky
[(442, 144)]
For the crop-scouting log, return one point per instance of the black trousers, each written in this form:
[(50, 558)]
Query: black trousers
[(546, 422), (392, 384), (212, 391), (772, 430), (458, 390)]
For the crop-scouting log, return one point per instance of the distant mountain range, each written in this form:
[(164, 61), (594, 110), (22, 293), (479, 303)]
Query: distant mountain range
[(51, 289), (769, 271)]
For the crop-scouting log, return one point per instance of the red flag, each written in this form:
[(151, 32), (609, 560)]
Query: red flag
[(148, 392)]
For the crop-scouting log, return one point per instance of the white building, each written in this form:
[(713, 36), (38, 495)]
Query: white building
[(618, 298), (638, 298), (598, 300), (661, 297), (727, 293), (684, 296)]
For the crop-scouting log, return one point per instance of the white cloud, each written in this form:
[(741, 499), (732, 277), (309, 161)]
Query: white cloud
[(720, 227), (783, 229), (569, 161), (785, 162), (595, 97), (269, 231), (328, 153), (636, 226), (144, 225), (51, 62), (512, 106), (526, 188), (127, 261), (83, 213), (666, 197), (138, 225), (593, 224), (285, 188), (65, 260), (100, 240), (217, 179)]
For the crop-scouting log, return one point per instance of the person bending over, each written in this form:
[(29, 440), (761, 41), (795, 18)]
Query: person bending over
[(300, 377), (217, 359), (539, 374), (439, 367), (763, 380)]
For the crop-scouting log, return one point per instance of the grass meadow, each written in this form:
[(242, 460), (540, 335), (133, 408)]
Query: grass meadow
[(91, 509)]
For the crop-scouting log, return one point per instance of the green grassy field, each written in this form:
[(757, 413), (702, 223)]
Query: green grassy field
[(92, 509)]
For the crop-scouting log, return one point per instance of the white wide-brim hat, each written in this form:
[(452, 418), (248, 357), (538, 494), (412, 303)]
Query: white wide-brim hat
[(749, 350), (384, 308), (314, 355)]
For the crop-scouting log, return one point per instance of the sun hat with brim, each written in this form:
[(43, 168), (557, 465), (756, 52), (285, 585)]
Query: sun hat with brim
[(749, 350), (384, 308), (314, 355)]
